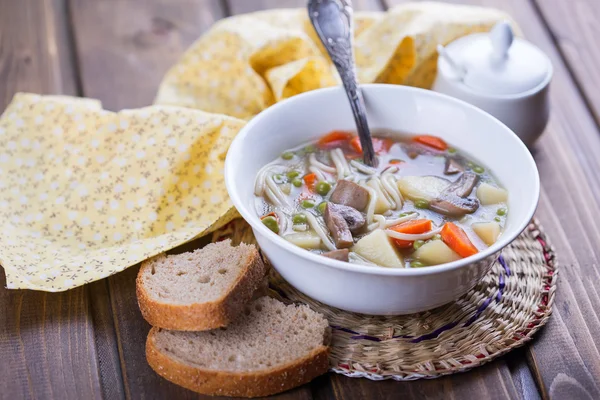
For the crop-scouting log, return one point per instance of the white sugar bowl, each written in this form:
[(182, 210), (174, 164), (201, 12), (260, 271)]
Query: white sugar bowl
[(506, 76)]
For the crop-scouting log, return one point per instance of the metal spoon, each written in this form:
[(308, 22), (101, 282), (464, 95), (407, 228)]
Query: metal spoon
[(332, 20)]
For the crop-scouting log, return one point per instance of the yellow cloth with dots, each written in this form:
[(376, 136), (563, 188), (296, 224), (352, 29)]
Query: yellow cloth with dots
[(86, 193)]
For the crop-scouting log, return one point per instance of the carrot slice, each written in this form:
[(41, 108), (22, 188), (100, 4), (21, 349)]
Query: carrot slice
[(458, 240), (355, 144), (431, 141), (311, 181), (395, 161), (379, 145), (334, 138), (414, 226)]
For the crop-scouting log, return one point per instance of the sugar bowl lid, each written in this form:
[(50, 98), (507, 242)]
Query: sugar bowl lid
[(496, 63)]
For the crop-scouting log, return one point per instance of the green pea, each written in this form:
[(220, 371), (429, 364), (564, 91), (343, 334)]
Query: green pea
[(321, 207), (421, 204), (451, 150), (292, 174), (278, 178), (287, 155), (307, 204), (323, 188), (478, 170), (271, 223), (297, 182), (418, 243), (417, 264), (299, 219), (470, 164), (497, 219), (310, 148), (501, 211)]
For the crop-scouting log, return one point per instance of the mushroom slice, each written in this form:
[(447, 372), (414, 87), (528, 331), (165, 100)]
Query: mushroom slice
[(453, 201), (453, 166), (338, 227), (454, 206), (354, 218), (464, 185), (341, 254), (350, 194)]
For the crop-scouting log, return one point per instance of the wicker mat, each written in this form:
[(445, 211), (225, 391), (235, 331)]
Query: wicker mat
[(502, 312)]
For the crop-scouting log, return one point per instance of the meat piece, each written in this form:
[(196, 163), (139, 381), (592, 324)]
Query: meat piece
[(350, 194), (354, 218), (454, 206), (338, 227), (464, 185), (453, 166), (453, 201), (341, 254)]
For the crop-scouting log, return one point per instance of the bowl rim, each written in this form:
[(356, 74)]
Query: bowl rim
[(254, 221)]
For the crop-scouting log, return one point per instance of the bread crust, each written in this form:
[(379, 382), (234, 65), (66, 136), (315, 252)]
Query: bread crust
[(207, 315), (241, 384)]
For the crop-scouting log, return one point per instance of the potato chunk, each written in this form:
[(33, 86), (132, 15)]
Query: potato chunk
[(488, 194), (382, 204), (377, 248), (487, 231), (306, 240), (435, 252), (422, 187)]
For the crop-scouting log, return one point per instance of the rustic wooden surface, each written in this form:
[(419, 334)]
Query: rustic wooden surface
[(88, 342)]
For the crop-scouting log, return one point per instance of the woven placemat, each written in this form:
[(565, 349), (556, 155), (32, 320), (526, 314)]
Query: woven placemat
[(502, 312)]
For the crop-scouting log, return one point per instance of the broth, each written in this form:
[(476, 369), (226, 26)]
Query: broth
[(293, 193)]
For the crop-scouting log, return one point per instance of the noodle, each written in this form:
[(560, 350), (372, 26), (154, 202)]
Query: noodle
[(400, 220), (312, 221), (271, 196), (356, 259), (317, 172), (339, 160), (316, 163), (413, 237), (259, 185), (276, 190), (365, 169), (392, 190)]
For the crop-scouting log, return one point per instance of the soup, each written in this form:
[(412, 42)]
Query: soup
[(425, 203)]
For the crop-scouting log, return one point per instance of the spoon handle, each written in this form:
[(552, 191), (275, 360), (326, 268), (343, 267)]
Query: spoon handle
[(332, 20)]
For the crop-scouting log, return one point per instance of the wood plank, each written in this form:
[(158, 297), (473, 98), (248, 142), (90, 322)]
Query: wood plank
[(574, 28), (36, 60), (565, 356), (105, 336), (47, 342), (133, 44), (124, 48), (47, 345)]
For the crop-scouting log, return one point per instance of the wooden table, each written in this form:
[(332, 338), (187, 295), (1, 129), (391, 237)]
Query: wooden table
[(89, 342)]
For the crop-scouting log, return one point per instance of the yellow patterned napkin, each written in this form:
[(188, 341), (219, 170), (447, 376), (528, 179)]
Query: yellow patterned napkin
[(85, 193), (248, 62)]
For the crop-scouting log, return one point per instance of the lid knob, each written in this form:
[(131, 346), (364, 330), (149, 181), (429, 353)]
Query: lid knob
[(501, 37)]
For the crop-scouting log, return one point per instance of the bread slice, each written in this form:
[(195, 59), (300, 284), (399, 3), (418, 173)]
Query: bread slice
[(269, 349), (204, 289)]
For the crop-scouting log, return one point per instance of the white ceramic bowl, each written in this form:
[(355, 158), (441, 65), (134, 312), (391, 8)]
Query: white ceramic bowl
[(380, 290)]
